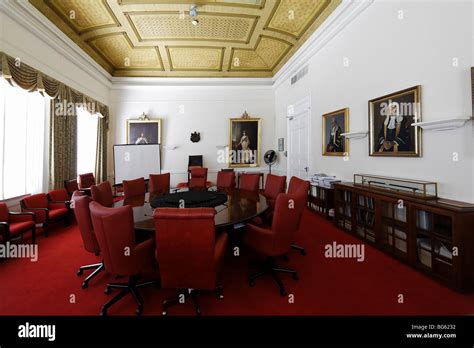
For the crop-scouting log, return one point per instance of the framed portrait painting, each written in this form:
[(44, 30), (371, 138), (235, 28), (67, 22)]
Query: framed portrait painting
[(244, 144), (142, 132), (391, 117), (335, 124)]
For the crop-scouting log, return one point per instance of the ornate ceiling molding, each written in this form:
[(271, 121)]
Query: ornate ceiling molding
[(234, 38)]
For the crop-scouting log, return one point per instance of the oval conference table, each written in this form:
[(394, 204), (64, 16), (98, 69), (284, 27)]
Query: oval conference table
[(240, 207)]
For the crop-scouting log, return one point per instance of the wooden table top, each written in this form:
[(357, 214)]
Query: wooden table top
[(241, 206)]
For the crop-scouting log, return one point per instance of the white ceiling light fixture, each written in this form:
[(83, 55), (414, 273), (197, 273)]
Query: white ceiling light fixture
[(193, 12)]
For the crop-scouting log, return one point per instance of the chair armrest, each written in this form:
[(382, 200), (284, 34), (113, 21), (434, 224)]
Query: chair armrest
[(33, 210), (5, 230), (260, 239), (144, 250), (21, 216)]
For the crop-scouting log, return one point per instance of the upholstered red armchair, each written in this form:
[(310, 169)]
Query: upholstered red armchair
[(159, 184), (188, 252), (102, 194), (13, 224), (46, 212), (85, 181), (83, 217), (58, 196), (132, 188), (299, 185), (122, 255), (225, 180), (249, 182), (276, 240)]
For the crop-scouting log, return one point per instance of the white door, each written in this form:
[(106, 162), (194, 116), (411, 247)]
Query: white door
[(299, 124)]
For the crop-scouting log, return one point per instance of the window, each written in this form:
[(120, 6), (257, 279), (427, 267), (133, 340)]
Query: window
[(86, 141), (22, 141)]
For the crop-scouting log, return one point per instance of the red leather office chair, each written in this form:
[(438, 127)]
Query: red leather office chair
[(115, 234), (275, 241), (188, 252), (83, 217), (296, 185), (71, 186), (133, 188), (46, 212), (85, 181), (273, 187), (159, 184), (249, 182), (225, 180), (15, 224), (102, 194), (198, 179)]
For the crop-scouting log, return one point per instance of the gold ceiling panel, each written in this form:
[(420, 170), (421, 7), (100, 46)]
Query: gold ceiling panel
[(195, 58), (117, 49), (234, 38), (84, 15), (293, 17), (212, 27), (265, 56)]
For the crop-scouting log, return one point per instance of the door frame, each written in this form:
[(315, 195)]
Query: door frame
[(298, 108)]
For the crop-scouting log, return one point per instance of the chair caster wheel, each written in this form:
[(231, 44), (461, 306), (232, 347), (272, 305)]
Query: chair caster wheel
[(164, 313), (139, 310), (295, 276), (107, 291), (84, 285), (251, 283), (221, 297), (79, 273), (282, 292), (103, 313), (198, 311)]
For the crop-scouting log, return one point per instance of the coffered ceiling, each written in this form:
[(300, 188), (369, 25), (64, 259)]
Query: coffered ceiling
[(234, 38)]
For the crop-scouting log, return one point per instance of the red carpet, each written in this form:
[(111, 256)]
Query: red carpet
[(326, 286)]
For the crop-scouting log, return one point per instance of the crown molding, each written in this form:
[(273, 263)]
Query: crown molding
[(131, 82), (23, 13), (346, 12)]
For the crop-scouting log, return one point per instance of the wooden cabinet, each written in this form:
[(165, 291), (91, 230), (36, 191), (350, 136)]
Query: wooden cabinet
[(321, 200), (435, 236)]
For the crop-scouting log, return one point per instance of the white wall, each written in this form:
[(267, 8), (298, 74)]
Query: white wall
[(387, 54), (207, 110)]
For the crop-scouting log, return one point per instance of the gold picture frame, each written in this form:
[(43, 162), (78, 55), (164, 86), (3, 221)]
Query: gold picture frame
[(335, 144), (243, 152), (146, 131), (391, 133)]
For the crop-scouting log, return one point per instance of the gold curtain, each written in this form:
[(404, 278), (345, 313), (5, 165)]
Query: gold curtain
[(63, 128), (62, 144), (101, 154)]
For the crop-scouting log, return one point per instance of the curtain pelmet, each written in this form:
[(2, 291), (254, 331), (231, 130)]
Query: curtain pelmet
[(63, 118)]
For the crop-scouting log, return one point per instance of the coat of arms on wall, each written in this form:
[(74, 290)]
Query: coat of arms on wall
[(195, 137)]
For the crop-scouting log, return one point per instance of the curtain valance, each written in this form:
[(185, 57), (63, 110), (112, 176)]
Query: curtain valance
[(22, 75)]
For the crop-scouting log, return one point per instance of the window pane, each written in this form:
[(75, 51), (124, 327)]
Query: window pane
[(22, 137), (86, 141)]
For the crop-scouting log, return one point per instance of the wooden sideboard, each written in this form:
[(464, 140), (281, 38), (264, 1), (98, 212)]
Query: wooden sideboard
[(434, 236)]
